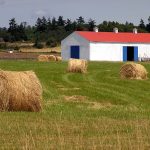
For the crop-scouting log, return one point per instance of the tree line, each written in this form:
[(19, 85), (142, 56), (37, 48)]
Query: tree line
[(53, 30)]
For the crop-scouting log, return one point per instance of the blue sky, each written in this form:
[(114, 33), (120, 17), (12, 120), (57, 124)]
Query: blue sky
[(100, 10)]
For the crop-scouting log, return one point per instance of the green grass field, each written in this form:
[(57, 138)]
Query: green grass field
[(96, 110)]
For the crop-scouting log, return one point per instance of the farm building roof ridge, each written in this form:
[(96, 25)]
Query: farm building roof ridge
[(121, 37)]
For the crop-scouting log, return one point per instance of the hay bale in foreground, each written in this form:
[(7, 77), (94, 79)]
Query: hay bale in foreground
[(43, 58), (133, 71), (20, 91), (51, 58), (58, 58), (77, 65)]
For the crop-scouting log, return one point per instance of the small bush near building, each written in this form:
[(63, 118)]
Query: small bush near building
[(3, 46), (51, 42), (38, 44), (16, 48)]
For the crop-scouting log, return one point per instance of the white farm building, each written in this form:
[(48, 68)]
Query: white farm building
[(106, 46)]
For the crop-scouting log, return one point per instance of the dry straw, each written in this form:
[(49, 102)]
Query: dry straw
[(43, 58), (77, 65), (48, 58), (133, 71), (58, 58), (51, 58), (20, 91)]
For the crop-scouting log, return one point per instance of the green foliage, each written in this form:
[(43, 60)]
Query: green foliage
[(61, 21), (58, 29), (39, 45), (3, 46), (16, 32), (52, 42), (91, 24), (17, 48)]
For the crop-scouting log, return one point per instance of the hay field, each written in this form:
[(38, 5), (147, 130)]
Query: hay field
[(96, 110), (43, 50)]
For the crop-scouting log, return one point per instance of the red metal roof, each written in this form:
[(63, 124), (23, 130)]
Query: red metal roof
[(115, 37)]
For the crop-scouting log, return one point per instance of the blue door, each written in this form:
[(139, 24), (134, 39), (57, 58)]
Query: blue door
[(135, 53), (124, 53), (75, 52), (130, 53)]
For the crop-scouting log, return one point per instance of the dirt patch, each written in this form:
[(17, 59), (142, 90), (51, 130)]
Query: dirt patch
[(75, 98), (96, 105), (82, 101), (108, 70), (132, 108), (20, 55), (91, 105), (48, 103), (58, 85), (67, 89), (63, 89), (75, 88)]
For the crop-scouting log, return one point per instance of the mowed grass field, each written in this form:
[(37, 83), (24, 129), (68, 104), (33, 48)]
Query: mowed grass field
[(96, 110)]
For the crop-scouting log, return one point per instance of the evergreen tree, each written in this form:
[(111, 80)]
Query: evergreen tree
[(12, 26), (17, 32), (69, 26), (80, 20), (54, 23), (81, 24), (60, 21), (142, 25), (41, 24), (21, 31), (91, 24), (148, 25), (49, 24)]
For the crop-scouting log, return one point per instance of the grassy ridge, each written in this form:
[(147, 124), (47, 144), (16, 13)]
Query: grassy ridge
[(92, 111)]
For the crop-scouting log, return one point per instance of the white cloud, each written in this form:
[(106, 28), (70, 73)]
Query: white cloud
[(40, 13)]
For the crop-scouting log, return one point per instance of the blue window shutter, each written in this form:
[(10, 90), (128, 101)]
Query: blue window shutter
[(124, 53), (135, 53), (75, 52)]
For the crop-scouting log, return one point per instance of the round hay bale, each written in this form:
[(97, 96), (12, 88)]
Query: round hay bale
[(51, 58), (43, 58), (20, 91), (77, 65), (58, 58), (133, 71)]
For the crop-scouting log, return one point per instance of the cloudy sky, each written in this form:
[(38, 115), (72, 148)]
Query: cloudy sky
[(100, 10)]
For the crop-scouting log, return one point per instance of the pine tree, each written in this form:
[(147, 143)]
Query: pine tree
[(91, 24), (60, 21), (142, 25)]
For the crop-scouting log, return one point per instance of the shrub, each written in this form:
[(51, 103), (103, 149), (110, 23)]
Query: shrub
[(3, 46), (38, 44), (16, 48), (51, 42)]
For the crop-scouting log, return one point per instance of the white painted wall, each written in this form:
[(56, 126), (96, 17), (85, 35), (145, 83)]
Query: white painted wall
[(95, 51), (75, 40), (114, 51), (144, 50), (105, 52)]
